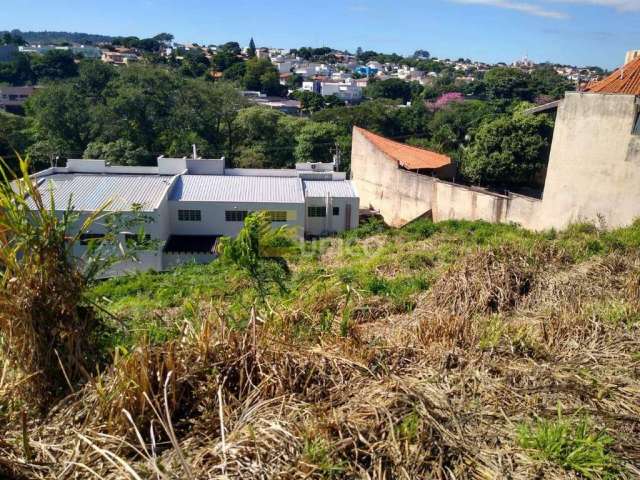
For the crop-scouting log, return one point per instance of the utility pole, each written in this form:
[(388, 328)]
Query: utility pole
[(337, 158)]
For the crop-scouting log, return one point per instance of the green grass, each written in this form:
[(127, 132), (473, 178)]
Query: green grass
[(389, 271), (319, 453), (574, 446)]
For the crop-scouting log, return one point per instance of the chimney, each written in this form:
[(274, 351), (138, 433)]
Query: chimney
[(631, 56)]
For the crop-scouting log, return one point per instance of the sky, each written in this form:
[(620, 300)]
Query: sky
[(575, 32)]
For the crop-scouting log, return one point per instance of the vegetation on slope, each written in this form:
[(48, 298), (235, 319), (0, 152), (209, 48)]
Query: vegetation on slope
[(450, 350)]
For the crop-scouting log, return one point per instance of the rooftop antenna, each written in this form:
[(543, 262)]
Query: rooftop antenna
[(195, 151)]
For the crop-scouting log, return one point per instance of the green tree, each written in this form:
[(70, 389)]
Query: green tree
[(508, 151), (507, 83), (94, 76), (61, 115), (545, 81), (18, 71), (257, 251), (54, 65), (316, 142), (261, 75), (252, 48), (393, 88), (120, 152)]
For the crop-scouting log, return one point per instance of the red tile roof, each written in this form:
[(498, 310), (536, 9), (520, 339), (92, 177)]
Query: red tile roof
[(626, 79), (407, 156)]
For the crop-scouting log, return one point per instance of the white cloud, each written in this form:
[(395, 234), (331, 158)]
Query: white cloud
[(528, 8), (544, 8), (619, 5)]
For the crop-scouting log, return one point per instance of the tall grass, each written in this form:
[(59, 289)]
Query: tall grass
[(45, 323)]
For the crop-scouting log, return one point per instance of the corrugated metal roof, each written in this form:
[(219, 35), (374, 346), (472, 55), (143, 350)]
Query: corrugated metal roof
[(223, 188), (90, 192), (332, 188)]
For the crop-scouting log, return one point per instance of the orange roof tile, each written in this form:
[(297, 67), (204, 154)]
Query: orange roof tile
[(409, 157), (626, 79)]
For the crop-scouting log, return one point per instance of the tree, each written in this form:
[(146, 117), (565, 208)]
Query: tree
[(261, 75), (545, 81), (421, 54), (120, 152), (508, 151), (163, 37), (358, 53), (315, 142), (393, 88), (507, 83), (18, 71), (60, 114), (252, 48), (54, 65), (257, 252), (94, 76)]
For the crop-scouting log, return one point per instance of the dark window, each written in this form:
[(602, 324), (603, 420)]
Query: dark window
[(189, 215), (85, 238), (336, 210), (317, 211), (235, 215), (278, 216), (636, 128)]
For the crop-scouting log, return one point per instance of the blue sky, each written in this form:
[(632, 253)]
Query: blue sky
[(583, 32)]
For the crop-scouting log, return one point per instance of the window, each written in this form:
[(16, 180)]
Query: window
[(85, 238), (317, 211), (277, 216), (636, 128), (235, 215), (189, 215), (336, 211)]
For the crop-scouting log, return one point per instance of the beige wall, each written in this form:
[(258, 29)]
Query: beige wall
[(594, 168), (593, 175), (399, 195)]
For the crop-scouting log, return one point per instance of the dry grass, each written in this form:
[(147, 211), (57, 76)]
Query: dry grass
[(506, 335)]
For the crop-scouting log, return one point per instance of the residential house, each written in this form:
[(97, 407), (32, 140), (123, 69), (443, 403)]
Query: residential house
[(190, 203)]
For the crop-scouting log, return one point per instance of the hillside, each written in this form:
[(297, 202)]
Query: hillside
[(47, 37), (453, 350)]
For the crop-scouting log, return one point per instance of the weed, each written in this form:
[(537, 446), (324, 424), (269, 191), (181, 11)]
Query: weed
[(573, 446), (319, 453)]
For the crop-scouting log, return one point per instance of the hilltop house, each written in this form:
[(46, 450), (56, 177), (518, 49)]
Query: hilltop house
[(593, 172), (192, 202)]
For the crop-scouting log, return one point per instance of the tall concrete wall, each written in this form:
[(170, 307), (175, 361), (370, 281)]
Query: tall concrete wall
[(593, 174), (594, 167)]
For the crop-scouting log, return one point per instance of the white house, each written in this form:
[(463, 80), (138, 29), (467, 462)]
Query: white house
[(347, 90), (190, 203)]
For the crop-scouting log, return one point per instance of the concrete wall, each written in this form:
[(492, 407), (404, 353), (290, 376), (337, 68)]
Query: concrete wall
[(594, 168), (593, 175), (399, 195)]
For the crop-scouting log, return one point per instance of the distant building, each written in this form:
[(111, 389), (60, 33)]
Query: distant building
[(347, 91), (119, 58), (365, 70), (85, 51), (13, 98)]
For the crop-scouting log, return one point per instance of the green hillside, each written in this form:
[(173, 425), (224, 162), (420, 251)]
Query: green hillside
[(448, 350)]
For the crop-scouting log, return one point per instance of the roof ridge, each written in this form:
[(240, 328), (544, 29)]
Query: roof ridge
[(625, 80)]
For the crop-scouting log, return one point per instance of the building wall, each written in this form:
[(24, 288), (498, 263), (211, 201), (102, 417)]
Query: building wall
[(594, 167), (214, 222), (318, 226), (399, 195)]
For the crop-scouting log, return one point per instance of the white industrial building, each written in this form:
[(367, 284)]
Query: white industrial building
[(190, 203)]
